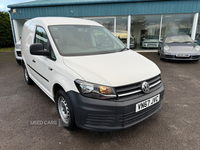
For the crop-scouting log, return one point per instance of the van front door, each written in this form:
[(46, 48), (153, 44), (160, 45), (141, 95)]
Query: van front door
[(44, 65)]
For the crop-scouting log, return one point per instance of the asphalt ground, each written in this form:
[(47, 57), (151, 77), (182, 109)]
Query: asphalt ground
[(29, 119)]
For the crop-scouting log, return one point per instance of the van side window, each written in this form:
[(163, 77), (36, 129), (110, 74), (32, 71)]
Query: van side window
[(41, 37), (52, 55)]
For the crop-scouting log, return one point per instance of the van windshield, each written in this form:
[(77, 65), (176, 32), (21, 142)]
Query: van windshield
[(73, 40)]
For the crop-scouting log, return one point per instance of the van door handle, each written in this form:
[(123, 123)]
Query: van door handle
[(50, 68), (33, 61)]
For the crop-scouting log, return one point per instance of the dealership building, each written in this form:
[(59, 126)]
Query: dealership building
[(130, 20)]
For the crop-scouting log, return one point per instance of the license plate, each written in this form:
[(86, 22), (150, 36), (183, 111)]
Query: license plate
[(147, 103), (182, 55)]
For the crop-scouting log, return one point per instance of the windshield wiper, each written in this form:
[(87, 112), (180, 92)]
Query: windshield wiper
[(124, 49)]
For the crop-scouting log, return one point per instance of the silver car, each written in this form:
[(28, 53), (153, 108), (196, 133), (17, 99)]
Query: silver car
[(179, 47), (151, 41)]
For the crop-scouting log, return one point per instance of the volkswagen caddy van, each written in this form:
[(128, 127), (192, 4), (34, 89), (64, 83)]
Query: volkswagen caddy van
[(96, 82)]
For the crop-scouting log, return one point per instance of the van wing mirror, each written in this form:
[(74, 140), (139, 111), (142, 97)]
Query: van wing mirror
[(38, 49), (195, 41), (160, 41)]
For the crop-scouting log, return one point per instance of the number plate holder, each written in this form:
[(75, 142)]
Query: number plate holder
[(147, 103)]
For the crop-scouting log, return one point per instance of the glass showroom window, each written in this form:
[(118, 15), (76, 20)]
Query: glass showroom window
[(122, 30), (177, 24), (145, 29), (197, 37), (107, 22)]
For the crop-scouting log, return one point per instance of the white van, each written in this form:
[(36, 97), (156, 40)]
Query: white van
[(96, 82)]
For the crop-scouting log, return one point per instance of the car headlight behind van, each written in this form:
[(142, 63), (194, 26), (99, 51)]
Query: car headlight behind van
[(94, 90), (197, 48), (166, 48), (18, 46)]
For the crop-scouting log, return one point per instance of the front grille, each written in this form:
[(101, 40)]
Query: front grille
[(195, 57), (169, 56), (101, 120), (132, 91), (152, 43), (183, 57)]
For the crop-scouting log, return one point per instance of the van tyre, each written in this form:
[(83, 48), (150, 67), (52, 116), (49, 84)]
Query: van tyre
[(28, 80), (65, 110)]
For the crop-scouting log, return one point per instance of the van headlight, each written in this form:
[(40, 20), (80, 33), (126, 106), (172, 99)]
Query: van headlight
[(197, 48), (94, 90), (166, 48)]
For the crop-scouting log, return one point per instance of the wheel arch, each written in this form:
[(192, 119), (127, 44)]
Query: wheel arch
[(56, 88)]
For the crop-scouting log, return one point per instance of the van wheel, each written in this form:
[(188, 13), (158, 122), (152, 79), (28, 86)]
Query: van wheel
[(65, 110), (26, 76)]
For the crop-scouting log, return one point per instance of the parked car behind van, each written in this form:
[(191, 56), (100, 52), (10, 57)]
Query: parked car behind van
[(123, 37), (179, 47), (95, 81), (151, 41), (17, 52)]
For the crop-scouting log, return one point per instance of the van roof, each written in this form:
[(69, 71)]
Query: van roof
[(66, 21)]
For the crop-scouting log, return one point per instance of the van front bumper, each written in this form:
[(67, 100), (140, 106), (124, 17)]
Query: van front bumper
[(108, 115)]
